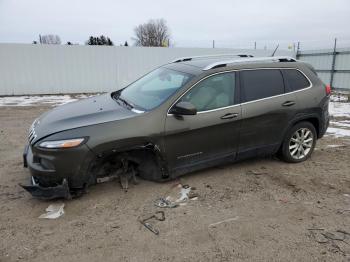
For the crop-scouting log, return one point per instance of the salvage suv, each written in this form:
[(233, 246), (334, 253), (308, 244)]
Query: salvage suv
[(190, 114)]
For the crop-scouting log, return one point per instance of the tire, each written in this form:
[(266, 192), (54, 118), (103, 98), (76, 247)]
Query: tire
[(299, 142)]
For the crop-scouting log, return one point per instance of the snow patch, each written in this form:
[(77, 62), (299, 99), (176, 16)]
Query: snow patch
[(334, 146), (338, 132), (344, 123), (53, 100), (338, 109), (339, 98)]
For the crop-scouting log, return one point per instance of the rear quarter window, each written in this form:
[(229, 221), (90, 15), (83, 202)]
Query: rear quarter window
[(295, 80), (261, 83)]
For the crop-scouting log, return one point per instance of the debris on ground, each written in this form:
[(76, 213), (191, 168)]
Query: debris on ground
[(256, 172), (53, 211), (159, 215), (178, 195), (163, 202), (284, 200), (184, 191), (342, 211), (224, 221), (321, 236)]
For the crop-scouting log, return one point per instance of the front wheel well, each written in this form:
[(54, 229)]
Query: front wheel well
[(144, 161)]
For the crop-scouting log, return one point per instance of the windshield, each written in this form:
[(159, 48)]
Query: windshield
[(154, 88)]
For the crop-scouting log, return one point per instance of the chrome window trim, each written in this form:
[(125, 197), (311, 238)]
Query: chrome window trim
[(217, 109), (244, 103)]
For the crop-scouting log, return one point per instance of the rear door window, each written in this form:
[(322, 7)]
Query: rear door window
[(261, 83), (294, 80)]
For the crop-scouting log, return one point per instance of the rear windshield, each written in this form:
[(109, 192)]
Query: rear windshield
[(154, 88)]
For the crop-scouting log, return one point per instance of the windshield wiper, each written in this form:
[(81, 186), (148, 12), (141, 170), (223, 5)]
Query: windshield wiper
[(128, 104), (116, 96)]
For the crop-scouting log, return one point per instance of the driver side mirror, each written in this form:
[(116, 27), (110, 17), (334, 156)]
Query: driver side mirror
[(183, 108)]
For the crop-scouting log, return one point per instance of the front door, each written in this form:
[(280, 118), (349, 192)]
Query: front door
[(211, 134)]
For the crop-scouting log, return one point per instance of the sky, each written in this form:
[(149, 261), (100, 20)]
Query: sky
[(192, 23)]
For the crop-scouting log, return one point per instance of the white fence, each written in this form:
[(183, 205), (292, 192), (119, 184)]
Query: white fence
[(57, 69), (332, 66)]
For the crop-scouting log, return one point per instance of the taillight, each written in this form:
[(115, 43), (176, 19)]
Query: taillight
[(328, 89)]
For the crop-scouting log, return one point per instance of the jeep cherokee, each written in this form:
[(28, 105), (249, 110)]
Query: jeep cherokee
[(190, 114)]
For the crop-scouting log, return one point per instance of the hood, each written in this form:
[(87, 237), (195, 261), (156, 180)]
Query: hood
[(90, 111)]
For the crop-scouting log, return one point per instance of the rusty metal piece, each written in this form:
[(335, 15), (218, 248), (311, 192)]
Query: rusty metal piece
[(159, 215)]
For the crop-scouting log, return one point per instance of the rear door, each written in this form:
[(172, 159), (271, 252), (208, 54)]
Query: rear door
[(266, 110), (211, 134)]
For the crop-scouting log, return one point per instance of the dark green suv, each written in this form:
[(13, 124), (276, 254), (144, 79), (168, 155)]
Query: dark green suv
[(187, 115)]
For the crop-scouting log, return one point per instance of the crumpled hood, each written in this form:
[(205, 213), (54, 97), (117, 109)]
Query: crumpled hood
[(90, 111)]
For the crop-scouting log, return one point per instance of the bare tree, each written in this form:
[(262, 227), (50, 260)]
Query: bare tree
[(152, 33), (50, 39)]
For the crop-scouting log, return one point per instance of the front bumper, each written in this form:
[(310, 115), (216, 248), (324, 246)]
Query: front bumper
[(47, 193), (57, 173)]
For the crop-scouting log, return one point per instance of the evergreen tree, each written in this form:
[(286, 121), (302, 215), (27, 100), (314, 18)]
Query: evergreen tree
[(99, 40)]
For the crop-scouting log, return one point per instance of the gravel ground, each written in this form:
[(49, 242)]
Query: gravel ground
[(262, 210)]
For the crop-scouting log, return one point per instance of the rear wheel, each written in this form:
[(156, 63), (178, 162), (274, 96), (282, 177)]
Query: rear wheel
[(299, 142)]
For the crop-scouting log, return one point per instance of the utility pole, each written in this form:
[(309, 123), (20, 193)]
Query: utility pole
[(213, 43), (333, 62), (298, 50), (255, 45)]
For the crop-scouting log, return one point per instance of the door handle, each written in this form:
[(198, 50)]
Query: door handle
[(288, 103), (229, 116)]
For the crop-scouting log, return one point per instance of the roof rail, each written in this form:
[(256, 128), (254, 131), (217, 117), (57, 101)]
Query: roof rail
[(190, 58), (250, 60)]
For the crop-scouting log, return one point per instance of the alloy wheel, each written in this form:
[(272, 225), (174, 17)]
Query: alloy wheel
[(301, 143)]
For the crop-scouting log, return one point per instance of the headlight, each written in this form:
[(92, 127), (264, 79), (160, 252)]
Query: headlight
[(62, 143)]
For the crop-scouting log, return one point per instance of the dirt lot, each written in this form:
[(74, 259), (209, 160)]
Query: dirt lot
[(270, 208)]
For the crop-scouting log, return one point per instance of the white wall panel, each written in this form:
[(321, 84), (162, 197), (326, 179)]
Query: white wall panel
[(341, 80), (322, 60), (55, 69)]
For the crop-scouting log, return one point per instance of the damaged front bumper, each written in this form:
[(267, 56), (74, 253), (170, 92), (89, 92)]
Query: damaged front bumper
[(48, 193), (57, 173), (41, 192)]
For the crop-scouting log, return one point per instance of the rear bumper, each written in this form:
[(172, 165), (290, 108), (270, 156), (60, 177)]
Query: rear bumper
[(324, 127), (324, 119)]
